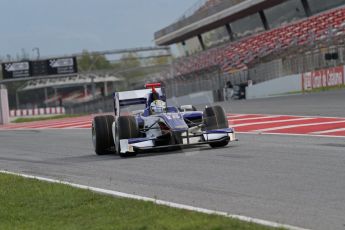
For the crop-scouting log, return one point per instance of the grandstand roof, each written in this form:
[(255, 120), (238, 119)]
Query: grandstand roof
[(215, 17)]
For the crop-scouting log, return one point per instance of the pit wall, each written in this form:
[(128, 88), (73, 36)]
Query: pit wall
[(297, 83)]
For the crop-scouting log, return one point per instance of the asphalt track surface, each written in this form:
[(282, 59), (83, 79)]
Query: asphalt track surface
[(295, 180)]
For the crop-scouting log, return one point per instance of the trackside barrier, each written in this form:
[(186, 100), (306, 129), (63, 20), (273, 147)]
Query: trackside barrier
[(37, 111), (275, 87), (305, 82), (323, 78), (4, 110)]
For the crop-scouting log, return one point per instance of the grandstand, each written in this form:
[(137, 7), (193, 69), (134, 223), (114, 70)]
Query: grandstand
[(252, 40)]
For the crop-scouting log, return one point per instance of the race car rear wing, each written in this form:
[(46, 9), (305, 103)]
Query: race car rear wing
[(134, 97)]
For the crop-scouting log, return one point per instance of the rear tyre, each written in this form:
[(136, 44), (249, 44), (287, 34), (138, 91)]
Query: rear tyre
[(102, 136), (215, 118), (126, 128)]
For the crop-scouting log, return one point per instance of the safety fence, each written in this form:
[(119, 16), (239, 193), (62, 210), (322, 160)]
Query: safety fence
[(294, 61), (100, 105)]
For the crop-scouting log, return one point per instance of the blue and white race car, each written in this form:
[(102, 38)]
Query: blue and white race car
[(158, 126)]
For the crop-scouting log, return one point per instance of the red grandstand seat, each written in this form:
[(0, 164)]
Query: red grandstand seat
[(234, 54)]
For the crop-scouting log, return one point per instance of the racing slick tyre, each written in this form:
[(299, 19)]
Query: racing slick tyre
[(215, 118), (126, 127), (102, 136)]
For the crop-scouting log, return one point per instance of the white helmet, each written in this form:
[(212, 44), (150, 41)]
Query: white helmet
[(157, 107)]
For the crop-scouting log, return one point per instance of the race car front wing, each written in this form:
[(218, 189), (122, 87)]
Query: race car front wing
[(188, 140)]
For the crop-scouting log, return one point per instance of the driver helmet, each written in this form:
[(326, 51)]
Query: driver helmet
[(157, 107)]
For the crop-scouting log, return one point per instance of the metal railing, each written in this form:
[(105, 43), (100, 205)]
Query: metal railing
[(206, 80), (292, 61), (314, 60), (100, 105), (266, 71)]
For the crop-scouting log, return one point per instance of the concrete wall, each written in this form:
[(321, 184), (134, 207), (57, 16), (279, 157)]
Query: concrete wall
[(200, 98), (275, 87), (4, 109)]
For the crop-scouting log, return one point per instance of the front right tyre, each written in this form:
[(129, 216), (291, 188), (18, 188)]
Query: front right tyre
[(126, 127)]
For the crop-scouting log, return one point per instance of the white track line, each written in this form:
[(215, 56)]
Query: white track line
[(160, 202), (292, 134), (290, 115), (329, 131), (237, 115), (50, 129), (79, 126), (255, 118), (67, 124), (270, 122), (296, 126)]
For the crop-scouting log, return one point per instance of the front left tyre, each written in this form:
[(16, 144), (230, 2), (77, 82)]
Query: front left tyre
[(215, 118), (102, 136)]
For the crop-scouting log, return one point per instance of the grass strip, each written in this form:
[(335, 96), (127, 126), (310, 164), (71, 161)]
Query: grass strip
[(328, 88), (31, 119), (33, 204), (321, 89)]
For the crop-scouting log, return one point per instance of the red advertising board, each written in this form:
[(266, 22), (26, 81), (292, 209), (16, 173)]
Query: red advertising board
[(323, 78)]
